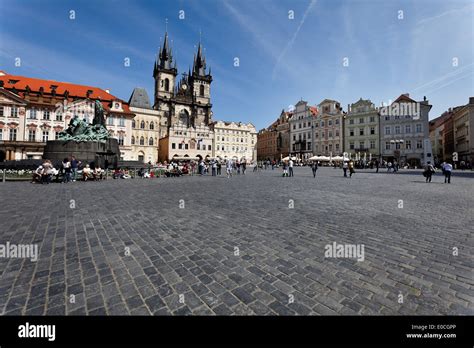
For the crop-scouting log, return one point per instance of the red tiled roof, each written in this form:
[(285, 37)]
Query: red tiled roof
[(404, 97), (75, 90)]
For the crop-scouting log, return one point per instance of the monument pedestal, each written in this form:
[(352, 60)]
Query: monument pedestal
[(105, 154)]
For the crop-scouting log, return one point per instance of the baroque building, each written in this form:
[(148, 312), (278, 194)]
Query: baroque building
[(328, 135), (185, 106), (235, 140), (33, 111), (361, 130), (146, 127), (301, 130)]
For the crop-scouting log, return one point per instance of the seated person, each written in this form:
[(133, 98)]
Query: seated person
[(87, 173), (98, 173), (146, 175), (117, 174), (37, 175), (125, 174)]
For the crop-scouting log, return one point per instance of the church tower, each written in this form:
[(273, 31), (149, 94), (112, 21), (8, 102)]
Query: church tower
[(164, 73), (200, 80)]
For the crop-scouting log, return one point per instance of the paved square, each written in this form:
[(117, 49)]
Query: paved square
[(251, 244)]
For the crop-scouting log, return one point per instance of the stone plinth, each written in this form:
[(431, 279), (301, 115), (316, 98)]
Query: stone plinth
[(105, 154)]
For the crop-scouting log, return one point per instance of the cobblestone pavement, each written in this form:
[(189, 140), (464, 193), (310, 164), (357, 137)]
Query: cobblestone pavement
[(251, 244)]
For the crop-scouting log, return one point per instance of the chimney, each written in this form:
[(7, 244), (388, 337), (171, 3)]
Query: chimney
[(424, 98), (471, 100), (107, 90)]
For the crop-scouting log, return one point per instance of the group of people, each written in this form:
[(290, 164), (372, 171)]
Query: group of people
[(68, 171), (446, 168)]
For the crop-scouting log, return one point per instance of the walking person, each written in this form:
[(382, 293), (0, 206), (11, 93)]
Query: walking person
[(314, 168), (447, 169), (290, 167), (377, 165), (351, 169), (244, 167), (429, 170), (214, 167), (229, 168), (219, 167), (344, 168), (66, 166), (285, 169)]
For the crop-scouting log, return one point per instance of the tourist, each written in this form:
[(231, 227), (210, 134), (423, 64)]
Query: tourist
[(229, 167), (214, 167), (238, 167), (244, 167), (447, 170), (314, 168), (86, 173), (98, 172), (37, 175), (429, 170), (66, 167), (351, 169), (290, 167), (219, 167), (285, 169), (74, 166), (344, 168), (47, 172), (377, 166), (193, 167)]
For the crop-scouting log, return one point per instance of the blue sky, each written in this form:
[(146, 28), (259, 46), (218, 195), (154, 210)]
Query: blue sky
[(281, 60)]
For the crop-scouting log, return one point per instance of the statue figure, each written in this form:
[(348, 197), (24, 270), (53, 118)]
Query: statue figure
[(81, 131)]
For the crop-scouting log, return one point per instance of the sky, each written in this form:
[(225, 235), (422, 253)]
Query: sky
[(287, 50)]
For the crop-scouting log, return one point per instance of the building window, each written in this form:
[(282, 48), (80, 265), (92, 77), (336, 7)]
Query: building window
[(12, 134), (133, 140), (337, 121), (46, 115), (330, 134), (299, 125), (120, 140), (408, 129), (330, 123), (1, 134), (209, 147), (152, 125), (142, 124), (337, 133), (167, 85), (173, 146), (31, 135), (110, 120), (2, 112), (372, 118), (45, 136), (142, 141), (322, 123), (351, 145), (372, 130), (387, 130), (150, 142), (337, 147), (201, 90), (387, 117), (133, 124), (397, 129), (122, 121), (397, 146), (351, 121), (361, 131), (418, 128), (59, 116), (372, 144), (361, 120), (408, 144), (419, 144), (14, 111), (351, 132)]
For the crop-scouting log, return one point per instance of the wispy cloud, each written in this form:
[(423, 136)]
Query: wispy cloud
[(290, 43)]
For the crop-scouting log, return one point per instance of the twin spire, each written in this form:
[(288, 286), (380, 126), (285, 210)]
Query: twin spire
[(165, 60)]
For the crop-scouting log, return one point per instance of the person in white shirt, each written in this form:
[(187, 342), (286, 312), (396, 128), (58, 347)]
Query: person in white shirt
[(290, 167), (229, 167), (447, 169)]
